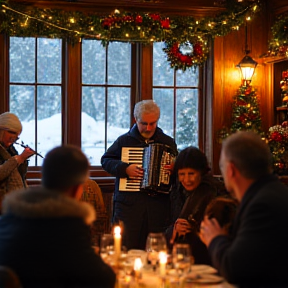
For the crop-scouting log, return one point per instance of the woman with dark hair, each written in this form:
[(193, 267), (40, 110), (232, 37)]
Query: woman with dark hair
[(191, 192)]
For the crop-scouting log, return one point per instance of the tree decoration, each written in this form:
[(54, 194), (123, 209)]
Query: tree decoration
[(186, 55), (277, 139), (284, 88), (278, 45)]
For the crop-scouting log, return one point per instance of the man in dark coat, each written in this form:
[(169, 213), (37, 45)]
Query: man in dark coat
[(44, 231), (257, 253), (140, 212)]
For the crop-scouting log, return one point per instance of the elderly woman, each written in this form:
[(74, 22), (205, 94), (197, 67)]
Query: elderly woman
[(13, 167), (192, 191)]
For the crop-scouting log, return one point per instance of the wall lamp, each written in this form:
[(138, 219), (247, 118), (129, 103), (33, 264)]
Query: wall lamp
[(247, 65)]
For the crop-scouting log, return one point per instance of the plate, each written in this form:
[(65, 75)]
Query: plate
[(204, 279), (200, 268)]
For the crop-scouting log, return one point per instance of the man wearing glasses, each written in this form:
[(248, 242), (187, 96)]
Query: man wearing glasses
[(13, 167)]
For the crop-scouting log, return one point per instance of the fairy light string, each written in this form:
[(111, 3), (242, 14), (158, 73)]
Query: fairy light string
[(175, 31), (119, 26)]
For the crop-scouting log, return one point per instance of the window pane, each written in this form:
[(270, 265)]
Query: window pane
[(164, 99), (93, 123), (118, 113), (25, 112), (49, 123), (187, 118), (96, 135), (49, 60), (188, 78), (22, 60), (43, 132), (163, 75), (93, 59), (119, 63)]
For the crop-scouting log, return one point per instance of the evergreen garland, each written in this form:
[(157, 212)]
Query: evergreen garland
[(25, 21)]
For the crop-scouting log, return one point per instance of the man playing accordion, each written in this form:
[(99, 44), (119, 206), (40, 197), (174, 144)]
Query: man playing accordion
[(140, 210)]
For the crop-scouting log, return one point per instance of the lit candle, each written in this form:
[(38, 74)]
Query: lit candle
[(117, 242), (162, 262), (137, 267)]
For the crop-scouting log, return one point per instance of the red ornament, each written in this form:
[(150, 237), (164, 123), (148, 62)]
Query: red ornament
[(248, 90), (197, 49), (241, 103), (285, 74), (280, 165), (284, 124), (276, 136), (138, 19), (155, 17), (165, 23)]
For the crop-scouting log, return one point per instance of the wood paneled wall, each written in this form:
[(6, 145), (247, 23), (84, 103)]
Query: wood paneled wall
[(228, 51)]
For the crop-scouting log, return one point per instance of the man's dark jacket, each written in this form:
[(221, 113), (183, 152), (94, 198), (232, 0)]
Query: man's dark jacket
[(257, 255), (111, 160)]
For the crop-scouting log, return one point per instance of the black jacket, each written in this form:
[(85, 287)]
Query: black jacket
[(111, 160), (257, 255)]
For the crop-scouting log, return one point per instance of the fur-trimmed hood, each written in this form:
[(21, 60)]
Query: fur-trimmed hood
[(38, 202)]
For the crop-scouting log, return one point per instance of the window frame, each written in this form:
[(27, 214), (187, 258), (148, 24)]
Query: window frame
[(141, 88)]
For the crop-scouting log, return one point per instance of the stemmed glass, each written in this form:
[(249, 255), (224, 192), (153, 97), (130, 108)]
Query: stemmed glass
[(106, 246), (181, 258), (156, 242)]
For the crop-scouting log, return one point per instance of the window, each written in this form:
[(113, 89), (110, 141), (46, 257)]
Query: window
[(105, 83), (176, 92), (106, 95), (35, 92)]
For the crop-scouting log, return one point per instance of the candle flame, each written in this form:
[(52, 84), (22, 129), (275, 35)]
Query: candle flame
[(163, 257), (117, 231), (137, 264)]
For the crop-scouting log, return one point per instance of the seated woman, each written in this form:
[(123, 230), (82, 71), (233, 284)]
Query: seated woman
[(191, 192)]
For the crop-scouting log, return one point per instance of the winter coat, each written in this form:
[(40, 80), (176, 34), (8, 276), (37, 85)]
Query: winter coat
[(12, 177), (45, 239)]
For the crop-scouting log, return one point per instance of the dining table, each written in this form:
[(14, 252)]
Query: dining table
[(133, 271)]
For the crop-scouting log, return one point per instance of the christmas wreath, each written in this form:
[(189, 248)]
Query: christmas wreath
[(187, 54)]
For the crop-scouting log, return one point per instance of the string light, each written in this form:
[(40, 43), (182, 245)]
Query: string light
[(110, 27)]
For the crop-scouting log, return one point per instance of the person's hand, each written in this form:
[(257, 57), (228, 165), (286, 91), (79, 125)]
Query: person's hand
[(134, 171), (27, 152), (181, 228), (209, 229)]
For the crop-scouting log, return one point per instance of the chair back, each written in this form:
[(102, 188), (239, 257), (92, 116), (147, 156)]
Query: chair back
[(92, 194)]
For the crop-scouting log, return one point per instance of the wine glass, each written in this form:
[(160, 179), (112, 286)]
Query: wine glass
[(155, 243), (181, 258), (106, 246)]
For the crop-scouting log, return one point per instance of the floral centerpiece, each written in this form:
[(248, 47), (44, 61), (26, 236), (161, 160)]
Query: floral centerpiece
[(277, 139)]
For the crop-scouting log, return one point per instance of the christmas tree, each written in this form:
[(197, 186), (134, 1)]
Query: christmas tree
[(245, 110), (245, 113)]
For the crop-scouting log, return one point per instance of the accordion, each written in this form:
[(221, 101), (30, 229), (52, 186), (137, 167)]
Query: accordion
[(152, 159)]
